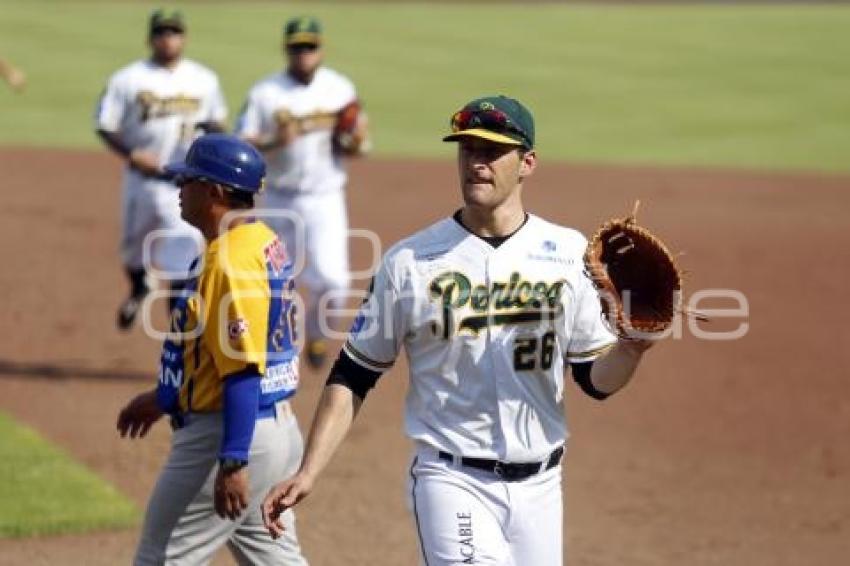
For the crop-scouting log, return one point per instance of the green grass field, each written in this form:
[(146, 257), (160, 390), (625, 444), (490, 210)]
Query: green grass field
[(749, 86), (43, 491)]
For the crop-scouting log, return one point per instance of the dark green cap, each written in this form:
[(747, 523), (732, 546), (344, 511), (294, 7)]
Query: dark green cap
[(496, 118), (162, 18), (304, 29)]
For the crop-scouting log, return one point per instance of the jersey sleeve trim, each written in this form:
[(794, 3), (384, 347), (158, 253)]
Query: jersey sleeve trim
[(589, 355), (581, 375), (364, 360)]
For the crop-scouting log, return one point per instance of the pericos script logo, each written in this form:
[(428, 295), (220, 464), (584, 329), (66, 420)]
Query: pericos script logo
[(516, 301)]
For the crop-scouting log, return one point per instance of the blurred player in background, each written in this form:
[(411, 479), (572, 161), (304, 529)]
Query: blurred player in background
[(149, 114), (294, 116)]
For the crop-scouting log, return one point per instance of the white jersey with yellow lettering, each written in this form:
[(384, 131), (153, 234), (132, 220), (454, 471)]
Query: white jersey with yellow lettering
[(308, 164), (157, 109), (487, 331)]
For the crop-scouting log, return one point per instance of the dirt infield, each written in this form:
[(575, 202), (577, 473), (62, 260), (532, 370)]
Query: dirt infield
[(719, 453)]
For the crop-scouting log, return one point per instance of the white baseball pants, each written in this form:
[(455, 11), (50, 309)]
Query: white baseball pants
[(154, 236), (468, 516), (181, 527), (314, 227)]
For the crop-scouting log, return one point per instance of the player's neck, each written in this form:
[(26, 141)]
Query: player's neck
[(169, 64), (493, 222), (220, 222), (301, 77)]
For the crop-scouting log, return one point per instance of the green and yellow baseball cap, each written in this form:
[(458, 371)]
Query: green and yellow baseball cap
[(167, 19), (496, 118), (301, 30)]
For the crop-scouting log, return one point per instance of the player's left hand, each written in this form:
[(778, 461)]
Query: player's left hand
[(231, 493), (139, 415), (287, 129)]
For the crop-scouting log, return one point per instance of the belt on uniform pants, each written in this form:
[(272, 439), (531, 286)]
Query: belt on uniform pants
[(182, 419), (277, 409), (266, 412), (506, 470)]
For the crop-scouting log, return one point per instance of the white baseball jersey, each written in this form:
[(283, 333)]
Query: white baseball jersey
[(156, 109), (308, 164), (487, 332)]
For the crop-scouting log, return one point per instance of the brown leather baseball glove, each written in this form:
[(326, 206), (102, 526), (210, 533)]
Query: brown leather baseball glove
[(639, 283), (349, 135)]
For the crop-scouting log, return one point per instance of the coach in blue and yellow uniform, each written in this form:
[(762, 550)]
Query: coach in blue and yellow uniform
[(228, 365)]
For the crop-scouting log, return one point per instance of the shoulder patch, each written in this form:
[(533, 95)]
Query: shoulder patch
[(275, 255), (236, 328)]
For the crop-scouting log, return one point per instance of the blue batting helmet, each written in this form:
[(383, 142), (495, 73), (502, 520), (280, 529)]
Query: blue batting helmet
[(222, 159)]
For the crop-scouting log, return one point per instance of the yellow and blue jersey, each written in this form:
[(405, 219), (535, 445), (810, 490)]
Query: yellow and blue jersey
[(237, 315)]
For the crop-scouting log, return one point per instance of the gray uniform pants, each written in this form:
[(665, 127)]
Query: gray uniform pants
[(181, 527)]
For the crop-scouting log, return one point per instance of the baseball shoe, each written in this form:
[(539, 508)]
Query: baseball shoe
[(128, 310), (317, 353)]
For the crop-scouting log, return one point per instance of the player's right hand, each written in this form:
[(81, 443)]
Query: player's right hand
[(281, 497), (230, 493), (145, 163), (287, 129), (137, 418), (286, 134)]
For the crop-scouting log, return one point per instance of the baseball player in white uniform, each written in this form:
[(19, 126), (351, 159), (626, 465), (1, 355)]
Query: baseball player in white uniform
[(149, 114), (490, 305), (291, 116)]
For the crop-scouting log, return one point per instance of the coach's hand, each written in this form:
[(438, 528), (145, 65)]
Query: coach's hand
[(231, 493), (139, 415), (281, 497)]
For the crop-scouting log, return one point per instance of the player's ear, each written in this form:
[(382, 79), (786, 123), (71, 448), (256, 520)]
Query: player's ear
[(528, 163), (217, 192)]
